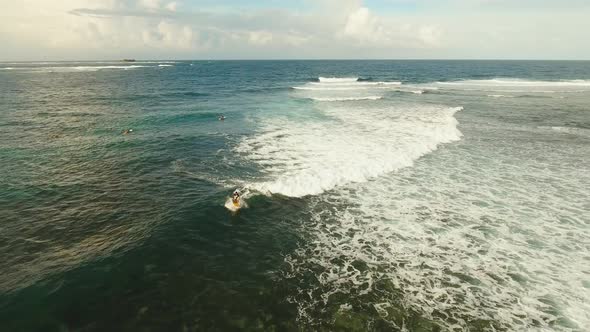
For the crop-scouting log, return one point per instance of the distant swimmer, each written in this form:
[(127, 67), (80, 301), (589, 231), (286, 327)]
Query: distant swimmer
[(221, 117), (127, 131)]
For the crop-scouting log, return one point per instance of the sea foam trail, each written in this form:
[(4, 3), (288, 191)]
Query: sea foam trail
[(355, 143), (516, 85), (500, 96), (96, 68), (331, 88), (26, 63), (518, 82), (73, 69)]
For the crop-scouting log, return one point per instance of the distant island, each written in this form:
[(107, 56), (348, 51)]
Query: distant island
[(128, 60)]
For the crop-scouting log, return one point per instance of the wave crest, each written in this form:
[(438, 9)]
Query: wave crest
[(355, 144), (337, 79), (346, 98), (516, 85)]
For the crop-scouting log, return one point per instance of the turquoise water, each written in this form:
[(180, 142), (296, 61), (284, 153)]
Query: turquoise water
[(383, 195)]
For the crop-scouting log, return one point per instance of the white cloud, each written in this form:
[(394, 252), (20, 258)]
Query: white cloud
[(361, 25), (260, 37), (149, 4), (175, 36), (327, 29), (367, 29), (172, 6), (430, 35), (295, 39)]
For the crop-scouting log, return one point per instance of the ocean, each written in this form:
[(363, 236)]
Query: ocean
[(382, 196)]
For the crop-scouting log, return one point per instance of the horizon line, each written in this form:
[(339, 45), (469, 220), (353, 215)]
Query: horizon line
[(297, 59)]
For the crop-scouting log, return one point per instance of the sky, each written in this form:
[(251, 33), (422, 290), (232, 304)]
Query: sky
[(294, 29)]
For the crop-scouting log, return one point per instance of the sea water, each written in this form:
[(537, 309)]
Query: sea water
[(382, 195)]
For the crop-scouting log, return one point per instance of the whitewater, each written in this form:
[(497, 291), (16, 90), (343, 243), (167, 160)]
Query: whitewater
[(463, 237)]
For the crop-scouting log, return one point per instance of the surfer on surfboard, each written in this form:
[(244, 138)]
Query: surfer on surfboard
[(236, 198), (236, 201)]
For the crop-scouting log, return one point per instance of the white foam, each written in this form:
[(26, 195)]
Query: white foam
[(353, 144), (82, 62), (346, 84), (469, 237), (331, 88), (346, 98), (156, 62), (337, 79), (96, 68), (500, 96), (460, 239), (518, 82), (348, 89), (69, 69), (355, 84), (517, 85), (165, 65), (568, 130)]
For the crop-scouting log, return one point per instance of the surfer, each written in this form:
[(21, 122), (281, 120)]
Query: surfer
[(235, 202), (221, 117), (236, 197)]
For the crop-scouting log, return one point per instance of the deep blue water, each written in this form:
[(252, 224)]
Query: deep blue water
[(428, 195)]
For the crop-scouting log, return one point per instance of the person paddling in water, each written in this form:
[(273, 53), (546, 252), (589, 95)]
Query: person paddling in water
[(236, 197)]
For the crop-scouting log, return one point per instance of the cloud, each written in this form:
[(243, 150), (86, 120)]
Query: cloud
[(172, 6), (150, 4), (260, 37), (361, 25), (129, 12), (77, 29), (366, 29)]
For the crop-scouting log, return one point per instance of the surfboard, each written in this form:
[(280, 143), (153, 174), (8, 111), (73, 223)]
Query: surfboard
[(233, 206), (240, 204)]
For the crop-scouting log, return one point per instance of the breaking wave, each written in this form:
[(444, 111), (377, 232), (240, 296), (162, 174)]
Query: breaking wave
[(354, 84), (337, 80), (74, 69), (500, 96), (354, 144), (406, 243), (516, 85), (470, 242), (517, 82), (347, 98), (350, 89)]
